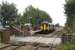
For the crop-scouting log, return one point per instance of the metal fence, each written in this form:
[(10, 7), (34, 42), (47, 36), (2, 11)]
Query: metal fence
[(68, 38)]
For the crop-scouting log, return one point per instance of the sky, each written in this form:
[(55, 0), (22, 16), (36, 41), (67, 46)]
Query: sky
[(55, 8)]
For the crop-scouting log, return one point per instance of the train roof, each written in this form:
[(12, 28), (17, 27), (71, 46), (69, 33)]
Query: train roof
[(47, 22)]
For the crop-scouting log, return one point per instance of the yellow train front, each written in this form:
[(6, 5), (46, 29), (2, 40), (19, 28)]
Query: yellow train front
[(46, 28)]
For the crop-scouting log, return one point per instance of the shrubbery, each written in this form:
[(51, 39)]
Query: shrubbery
[(66, 46)]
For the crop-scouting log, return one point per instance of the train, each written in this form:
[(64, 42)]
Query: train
[(46, 28)]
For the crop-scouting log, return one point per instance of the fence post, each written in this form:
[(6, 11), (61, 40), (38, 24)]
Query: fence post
[(5, 36)]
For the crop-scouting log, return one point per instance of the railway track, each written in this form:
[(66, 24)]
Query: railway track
[(41, 39), (10, 47), (27, 47), (30, 46), (56, 34)]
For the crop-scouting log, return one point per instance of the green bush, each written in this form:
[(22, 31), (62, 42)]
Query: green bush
[(73, 39), (66, 46)]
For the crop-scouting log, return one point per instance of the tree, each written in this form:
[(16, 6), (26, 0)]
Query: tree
[(8, 13), (70, 13), (35, 15)]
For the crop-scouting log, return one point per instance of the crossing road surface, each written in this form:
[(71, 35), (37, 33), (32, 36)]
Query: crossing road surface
[(44, 40)]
